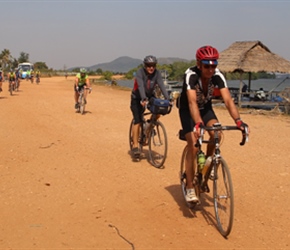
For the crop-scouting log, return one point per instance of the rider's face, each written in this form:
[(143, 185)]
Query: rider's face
[(150, 67)]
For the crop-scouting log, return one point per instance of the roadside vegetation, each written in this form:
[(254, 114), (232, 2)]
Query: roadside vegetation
[(174, 71)]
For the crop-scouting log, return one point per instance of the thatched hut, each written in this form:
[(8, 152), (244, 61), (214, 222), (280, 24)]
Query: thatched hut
[(251, 56)]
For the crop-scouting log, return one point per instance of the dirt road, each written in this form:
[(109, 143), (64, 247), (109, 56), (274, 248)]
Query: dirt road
[(68, 181)]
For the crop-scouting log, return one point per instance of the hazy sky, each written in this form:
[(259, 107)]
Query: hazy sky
[(67, 33)]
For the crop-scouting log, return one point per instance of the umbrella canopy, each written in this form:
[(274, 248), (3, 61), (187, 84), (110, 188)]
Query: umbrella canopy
[(251, 56)]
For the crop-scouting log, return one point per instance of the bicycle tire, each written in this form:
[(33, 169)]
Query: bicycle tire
[(223, 196), (10, 88), (82, 103), (157, 154)]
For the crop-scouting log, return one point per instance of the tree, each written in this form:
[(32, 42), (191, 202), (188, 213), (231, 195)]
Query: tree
[(6, 59), (40, 66), (99, 71), (24, 57)]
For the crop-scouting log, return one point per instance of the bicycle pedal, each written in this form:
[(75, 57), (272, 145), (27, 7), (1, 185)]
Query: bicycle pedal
[(205, 189)]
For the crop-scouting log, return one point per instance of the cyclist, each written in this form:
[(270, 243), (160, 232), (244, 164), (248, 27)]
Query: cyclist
[(1, 79), (37, 75), (17, 78), (32, 75), (81, 81), (146, 79), (11, 79), (195, 107)]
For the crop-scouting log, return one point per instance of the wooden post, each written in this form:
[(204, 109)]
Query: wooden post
[(240, 91)]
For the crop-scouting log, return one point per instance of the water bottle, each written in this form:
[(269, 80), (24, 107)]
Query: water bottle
[(201, 161), (206, 165)]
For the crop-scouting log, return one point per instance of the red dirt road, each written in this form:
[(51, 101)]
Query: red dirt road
[(68, 181)]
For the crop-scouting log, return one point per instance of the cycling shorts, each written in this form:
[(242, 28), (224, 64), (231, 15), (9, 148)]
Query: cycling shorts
[(137, 110), (80, 87), (187, 122)]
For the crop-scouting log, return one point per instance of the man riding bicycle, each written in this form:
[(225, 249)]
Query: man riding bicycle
[(1, 79), (17, 78), (145, 82), (11, 79), (81, 82), (37, 75), (195, 107)]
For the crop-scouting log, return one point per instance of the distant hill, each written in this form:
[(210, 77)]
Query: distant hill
[(124, 64)]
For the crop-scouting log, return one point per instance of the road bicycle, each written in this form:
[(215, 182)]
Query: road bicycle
[(82, 100), (11, 87), (152, 133), (16, 84), (37, 79), (217, 171)]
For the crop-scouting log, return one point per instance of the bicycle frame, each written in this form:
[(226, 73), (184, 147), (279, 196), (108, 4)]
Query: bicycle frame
[(222, 182)]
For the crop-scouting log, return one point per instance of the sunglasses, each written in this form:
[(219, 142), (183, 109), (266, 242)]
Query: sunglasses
[(207, 66), (150, 65)]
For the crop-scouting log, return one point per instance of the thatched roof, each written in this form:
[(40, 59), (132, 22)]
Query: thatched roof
[(251, 56)]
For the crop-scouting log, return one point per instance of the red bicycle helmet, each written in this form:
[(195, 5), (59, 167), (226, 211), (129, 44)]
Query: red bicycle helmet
[(207, 54)]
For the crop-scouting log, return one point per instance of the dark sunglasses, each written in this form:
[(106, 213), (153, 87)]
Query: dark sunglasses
[(207, 66), (150, 65)]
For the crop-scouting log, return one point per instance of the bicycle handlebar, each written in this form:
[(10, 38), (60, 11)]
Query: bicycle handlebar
[(219, 127)]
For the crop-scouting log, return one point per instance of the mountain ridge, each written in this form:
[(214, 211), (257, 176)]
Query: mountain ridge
[(123, 64)]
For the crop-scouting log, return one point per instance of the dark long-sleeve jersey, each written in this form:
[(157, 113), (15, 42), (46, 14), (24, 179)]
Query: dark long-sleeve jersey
[(144, 85)]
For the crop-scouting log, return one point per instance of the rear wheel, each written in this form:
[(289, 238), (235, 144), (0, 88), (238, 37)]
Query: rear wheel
[(223, 196), (157, 145)]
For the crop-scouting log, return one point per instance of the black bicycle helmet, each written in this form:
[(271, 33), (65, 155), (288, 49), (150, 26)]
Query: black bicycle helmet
[(150, 60)]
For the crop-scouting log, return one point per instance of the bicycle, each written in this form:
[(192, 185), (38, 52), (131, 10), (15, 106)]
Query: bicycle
[(11, 87), (218, 171), (37, 79), (152, 133), (16, 84), (82, 100)]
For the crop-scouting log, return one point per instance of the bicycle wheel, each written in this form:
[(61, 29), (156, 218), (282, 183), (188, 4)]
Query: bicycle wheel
[(182, 174), (10, 88), (157, 145), (82, 104), (223, 196)]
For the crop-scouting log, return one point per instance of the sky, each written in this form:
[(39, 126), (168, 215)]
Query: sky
[(68, 33)]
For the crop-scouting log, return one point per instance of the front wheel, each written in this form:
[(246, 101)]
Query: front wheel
[(223, 196), (82, 104), (158, 145)]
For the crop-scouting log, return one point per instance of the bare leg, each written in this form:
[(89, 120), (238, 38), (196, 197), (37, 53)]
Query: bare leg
[(190, 159), (135, 134)]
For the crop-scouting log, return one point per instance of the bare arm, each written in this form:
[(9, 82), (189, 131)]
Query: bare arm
[(193, 108), (230, 105)]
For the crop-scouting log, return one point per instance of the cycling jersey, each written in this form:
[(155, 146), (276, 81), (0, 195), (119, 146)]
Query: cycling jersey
[(192, 81), (144, 85), (12, 76), (82, 80)]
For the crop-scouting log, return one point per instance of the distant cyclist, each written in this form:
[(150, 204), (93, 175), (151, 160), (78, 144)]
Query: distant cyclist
[(17, 79), (37, 75), (146, 79), (32, 76), (81, 81), (11, 79), (1, 79)]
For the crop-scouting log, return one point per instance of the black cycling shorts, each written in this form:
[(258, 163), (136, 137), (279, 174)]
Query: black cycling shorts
[(137, 110), (187, 122)]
